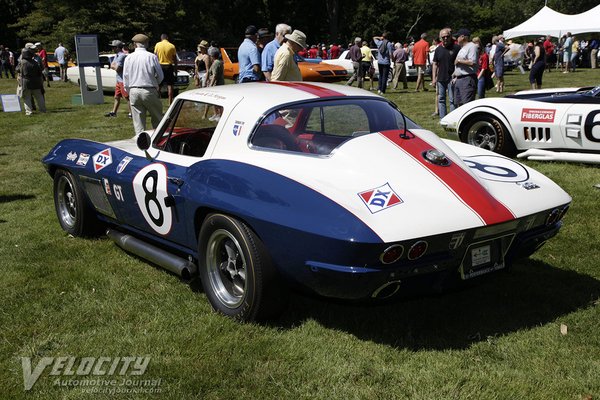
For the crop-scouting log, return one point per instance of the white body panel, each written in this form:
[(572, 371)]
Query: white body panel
[(429, 206), (534, 124)]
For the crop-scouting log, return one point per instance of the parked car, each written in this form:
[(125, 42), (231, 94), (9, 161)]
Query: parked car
[(566, 119), (311, 72), (53, 67), (260, 187), (185, 61), (109, 76), (411, 71)]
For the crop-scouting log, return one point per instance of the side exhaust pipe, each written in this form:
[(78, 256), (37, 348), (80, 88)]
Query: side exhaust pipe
[(178, 265)]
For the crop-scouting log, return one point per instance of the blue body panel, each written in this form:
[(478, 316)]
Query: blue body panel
[(298, 225)]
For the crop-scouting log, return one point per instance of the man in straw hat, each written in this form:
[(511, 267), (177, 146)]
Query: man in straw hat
[(142, 75), (285, 67)]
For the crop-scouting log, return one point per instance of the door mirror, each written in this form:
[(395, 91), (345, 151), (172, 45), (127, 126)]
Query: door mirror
[(143, 141)]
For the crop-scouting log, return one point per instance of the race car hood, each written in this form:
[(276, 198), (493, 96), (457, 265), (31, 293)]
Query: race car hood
[(387, 181)]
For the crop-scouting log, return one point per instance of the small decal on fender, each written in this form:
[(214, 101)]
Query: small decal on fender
[(237, 128), (83, 159)]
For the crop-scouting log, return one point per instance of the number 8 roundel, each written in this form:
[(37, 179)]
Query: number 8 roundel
[(150, 188)]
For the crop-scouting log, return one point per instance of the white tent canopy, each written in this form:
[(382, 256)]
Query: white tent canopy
[(549, 22)]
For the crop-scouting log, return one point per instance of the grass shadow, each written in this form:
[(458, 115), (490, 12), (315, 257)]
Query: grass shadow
[(531, 294), (15, 197)]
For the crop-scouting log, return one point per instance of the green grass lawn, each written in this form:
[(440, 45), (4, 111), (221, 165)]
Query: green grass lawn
[(499, 339)]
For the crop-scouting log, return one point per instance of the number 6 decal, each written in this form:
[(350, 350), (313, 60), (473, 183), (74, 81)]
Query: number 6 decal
[(150, 188)]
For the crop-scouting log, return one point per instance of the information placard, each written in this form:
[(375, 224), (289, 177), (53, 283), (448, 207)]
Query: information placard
[(10, 103), (86, 47)]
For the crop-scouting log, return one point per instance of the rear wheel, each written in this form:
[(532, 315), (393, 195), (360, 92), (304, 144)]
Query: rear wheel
[(237, 274), (74, 213), (488, 133)]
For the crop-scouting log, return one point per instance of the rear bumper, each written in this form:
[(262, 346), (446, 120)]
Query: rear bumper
[(361, 282)]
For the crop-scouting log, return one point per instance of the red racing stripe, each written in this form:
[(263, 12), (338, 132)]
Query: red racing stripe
[(457, 180), (312, 89)]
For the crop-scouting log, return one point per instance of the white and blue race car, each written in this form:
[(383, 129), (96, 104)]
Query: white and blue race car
[(561, 124), (259, 187)]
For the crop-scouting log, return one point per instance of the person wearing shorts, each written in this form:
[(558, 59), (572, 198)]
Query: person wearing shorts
[(117, 65), (167, 57)]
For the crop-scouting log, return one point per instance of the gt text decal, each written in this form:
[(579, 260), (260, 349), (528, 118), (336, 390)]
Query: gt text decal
[(380, 198), (592, 122), (102, 159), (118, 192), (497, 169), (537, 115), (150, 188)]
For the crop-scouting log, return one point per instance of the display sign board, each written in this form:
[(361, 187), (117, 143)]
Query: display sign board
[(10, 103), (86, 47)]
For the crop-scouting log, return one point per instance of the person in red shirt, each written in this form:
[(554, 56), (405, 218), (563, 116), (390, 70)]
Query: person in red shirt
[(549, 50), (420, 61), (335, 51), (313, 52), (483, 69), (44, 56)]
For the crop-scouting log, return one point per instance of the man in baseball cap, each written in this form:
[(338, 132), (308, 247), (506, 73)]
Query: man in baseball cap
[(142, 75), (117, 65), (249, 57)]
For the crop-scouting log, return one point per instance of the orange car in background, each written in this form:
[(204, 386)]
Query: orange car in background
[(311, 72)]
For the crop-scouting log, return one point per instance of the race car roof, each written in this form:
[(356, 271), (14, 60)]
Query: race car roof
[(266, 95)]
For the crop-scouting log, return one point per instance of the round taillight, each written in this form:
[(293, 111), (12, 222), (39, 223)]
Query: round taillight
[(392, 254), (417, 250)]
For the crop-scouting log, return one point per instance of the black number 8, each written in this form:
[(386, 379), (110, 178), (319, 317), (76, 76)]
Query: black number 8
[(509, 173), (151, 197)]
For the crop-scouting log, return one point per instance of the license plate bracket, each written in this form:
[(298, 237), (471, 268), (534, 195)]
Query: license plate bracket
[(482, 258)]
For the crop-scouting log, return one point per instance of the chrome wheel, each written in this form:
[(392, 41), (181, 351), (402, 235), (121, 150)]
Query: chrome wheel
[(226, 267), (66, 202), (483, 134)]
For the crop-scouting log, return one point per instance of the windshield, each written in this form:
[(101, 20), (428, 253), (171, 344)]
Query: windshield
[(318, 127), (595, 92)]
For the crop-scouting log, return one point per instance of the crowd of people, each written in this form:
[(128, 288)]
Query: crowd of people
[(462, 68)]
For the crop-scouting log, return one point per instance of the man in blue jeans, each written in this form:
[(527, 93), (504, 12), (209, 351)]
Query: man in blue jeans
[(442, 70), (384, 54)]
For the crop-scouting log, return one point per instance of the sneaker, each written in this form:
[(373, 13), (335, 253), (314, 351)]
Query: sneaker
[(110, 114), (129, 115)]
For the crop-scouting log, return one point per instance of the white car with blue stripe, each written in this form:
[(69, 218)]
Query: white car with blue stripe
[(261, 187)]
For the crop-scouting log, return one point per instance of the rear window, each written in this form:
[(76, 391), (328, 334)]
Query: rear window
[(321, 126)]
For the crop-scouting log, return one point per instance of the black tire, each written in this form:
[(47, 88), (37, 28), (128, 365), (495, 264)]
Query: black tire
[(237, 274), (489, 133), (75, 215)]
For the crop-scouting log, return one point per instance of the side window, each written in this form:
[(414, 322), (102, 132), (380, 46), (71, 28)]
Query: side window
[(190, 128), (339, 120)]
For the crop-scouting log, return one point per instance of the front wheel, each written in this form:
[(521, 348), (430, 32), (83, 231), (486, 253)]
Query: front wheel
[(237, 274), (74, 213), (489, 133)]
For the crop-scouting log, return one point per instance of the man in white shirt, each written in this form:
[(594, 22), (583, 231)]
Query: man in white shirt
[(142, 75), (62, 57), (465, 69)]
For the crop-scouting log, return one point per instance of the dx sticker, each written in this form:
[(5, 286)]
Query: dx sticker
[(150, 189)]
